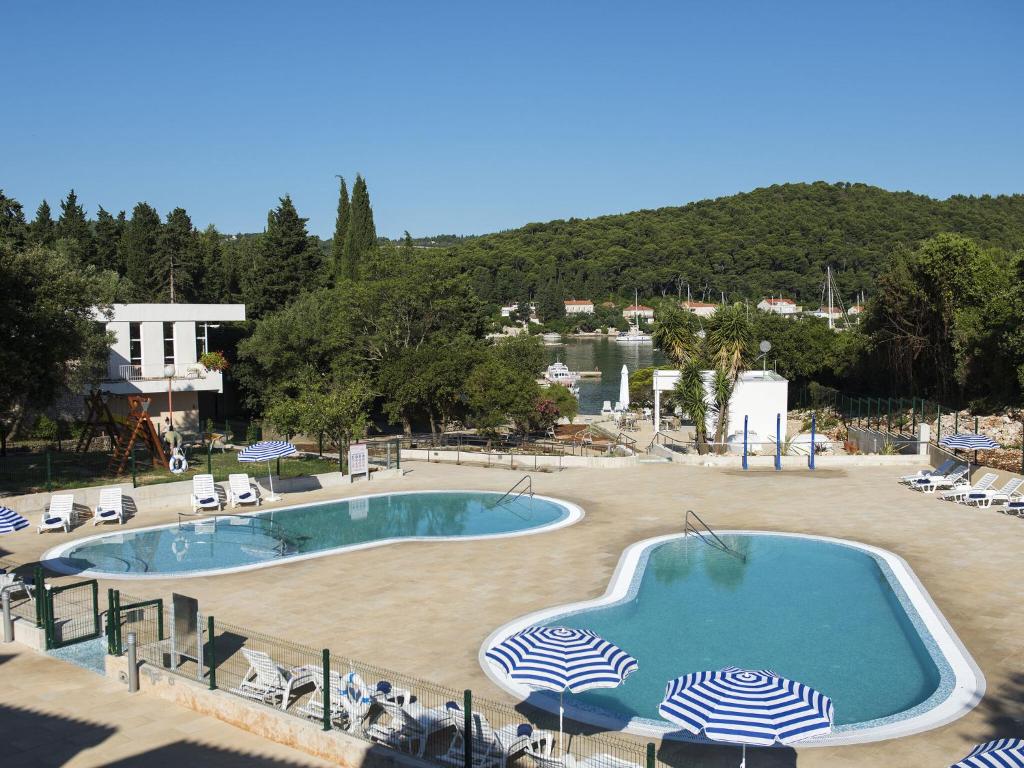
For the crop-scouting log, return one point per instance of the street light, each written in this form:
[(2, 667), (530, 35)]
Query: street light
[(765, 347), (169, 373)]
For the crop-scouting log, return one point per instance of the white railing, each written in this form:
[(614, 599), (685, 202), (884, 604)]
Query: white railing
[(151, 372)]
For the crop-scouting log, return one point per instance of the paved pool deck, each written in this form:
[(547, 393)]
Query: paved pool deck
[(424, 608)]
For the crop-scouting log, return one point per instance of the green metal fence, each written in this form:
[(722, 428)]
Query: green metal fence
[(336, 692), (70, 613)]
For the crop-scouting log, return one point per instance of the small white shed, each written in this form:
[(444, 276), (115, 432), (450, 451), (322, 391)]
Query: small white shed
[(759, 395)]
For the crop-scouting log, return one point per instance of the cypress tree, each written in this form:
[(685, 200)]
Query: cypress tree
[(361, 238), (108, 231), (73, 227), (42, 231), (340, 231), (139, 252)]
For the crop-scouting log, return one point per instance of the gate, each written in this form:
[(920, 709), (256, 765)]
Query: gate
[(71, 613)]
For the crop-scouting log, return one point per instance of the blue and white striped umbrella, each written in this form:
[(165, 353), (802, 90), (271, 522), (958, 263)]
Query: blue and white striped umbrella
[(1001, 753), (560, 659), (267, 450), (11, 521), (969, 442), (746, 707)]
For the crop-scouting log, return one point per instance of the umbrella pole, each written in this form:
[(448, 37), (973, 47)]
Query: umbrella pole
[(561, 712), (743, 762), (270, 479)]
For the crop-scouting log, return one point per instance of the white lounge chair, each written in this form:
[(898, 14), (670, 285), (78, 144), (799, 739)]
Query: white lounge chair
[(269, 682), (490, 747), (204, 493), (986, 498), (408, 726), (314, 705), (939, 471), (959, 493), (1015, 507), (544, 759), (110, 507), (606, 408), (932, 483), (242, 491), (60, 513)]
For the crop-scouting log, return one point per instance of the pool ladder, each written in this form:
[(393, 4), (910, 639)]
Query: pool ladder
[(703, 531), (523, 487)]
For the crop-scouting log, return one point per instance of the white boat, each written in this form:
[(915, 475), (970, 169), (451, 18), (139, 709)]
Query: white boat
[(559, 373), (634, 336), (551, 337)]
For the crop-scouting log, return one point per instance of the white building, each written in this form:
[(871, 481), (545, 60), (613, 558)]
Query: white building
[(157, 347), (699, 308), (635, 311), (855, 310), (826, 313), (508, 309), (778, 306), (761, 396), (579, 307)]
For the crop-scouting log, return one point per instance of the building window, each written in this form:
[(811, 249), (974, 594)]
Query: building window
[(135, 343), (168, 343), (202, 339)]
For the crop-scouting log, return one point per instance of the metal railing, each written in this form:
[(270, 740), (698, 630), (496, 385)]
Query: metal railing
[(711, 539), (332, 691), (128, 372), (513, 494)]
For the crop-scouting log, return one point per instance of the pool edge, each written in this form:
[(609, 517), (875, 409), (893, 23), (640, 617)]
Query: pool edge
[(968, 683), (52, 558)]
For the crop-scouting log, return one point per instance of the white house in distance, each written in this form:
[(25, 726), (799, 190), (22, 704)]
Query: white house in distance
[(699, 308), (579, 307), (154, 340), (826, 313), (855, 310), (761, 396), (779, 306), (637, 311)]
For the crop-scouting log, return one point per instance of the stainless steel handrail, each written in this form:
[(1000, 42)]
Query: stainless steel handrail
[(715, 542), (528, 490)]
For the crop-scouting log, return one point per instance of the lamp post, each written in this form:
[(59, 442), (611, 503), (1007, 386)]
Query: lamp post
[(169, 373)]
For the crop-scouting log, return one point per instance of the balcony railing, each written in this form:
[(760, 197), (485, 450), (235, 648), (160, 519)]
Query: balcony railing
[(154, 372)]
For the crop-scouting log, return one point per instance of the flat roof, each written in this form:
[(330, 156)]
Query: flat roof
[(170, 313)]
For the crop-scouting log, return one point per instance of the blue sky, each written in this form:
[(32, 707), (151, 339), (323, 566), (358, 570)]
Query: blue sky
[(473, 117)]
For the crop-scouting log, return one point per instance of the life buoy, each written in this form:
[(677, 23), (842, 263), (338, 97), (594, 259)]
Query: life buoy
[(178, 463), (180, 547)]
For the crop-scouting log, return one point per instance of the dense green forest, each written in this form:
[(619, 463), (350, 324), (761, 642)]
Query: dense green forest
[(776, 240), (356, 326)]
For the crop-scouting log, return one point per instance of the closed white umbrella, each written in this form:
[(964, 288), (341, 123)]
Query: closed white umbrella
[(624, 388)]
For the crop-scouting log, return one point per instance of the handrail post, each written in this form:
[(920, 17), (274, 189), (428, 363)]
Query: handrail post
[(467, 731), (326, 662)]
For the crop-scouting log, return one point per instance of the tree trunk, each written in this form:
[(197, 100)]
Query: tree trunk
[(407, 425)]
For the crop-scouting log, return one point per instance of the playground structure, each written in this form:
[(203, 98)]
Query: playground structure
[(137, 426)]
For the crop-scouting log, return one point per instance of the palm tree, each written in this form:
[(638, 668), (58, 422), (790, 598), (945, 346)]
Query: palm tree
[(689, 393), (728, 344), (722, 385), (675, 336)]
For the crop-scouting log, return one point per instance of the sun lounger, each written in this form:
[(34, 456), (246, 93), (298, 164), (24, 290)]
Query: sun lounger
[(986, 498), (959, 493), (932, 483), (59, 514), (314, 706), (269, 682), (939, 471), (204, 493), (242, 491), (490, 748), (14, 583), (110, 507), (544, 759), (1015, 507), (408, 726)]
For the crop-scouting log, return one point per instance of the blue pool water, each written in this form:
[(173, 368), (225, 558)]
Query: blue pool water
[(255, 538), (814, 611)]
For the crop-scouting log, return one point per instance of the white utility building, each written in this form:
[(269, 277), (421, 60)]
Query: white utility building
[(760, 395)]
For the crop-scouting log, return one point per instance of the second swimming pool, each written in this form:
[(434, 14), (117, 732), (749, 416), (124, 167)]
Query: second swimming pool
[(244, 541)]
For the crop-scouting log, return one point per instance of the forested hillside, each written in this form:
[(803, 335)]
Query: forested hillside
[(775, 240)]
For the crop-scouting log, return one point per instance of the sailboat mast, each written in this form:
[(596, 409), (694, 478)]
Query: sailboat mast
[(831, 320)]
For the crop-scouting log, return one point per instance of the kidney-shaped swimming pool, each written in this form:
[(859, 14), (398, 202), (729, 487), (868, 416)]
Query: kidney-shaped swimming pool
[(226, 543), (849, 620)]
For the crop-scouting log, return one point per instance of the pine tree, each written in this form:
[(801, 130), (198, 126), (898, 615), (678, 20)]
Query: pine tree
[(73, 227), (42, 231), (139, 252), (288, 261), (13, 229), (550, 302), (361, 238), (340, 231), (108, 231), (179, 259)]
